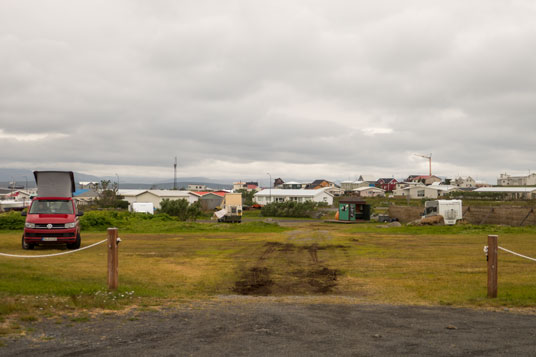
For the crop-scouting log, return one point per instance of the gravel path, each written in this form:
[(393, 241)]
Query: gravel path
[(261, 327)]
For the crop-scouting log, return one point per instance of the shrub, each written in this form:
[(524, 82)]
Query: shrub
[(180, 209), (96, 220), (12, 221), (290, 209)]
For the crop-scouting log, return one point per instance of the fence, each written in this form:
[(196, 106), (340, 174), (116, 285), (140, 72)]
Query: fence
[(113, 256), (506, 215), (491, 251)]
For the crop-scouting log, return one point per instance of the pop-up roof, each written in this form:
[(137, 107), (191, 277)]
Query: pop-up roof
[(54, 183)]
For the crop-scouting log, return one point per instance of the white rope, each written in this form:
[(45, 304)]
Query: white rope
[(519, 255), (51, 255)]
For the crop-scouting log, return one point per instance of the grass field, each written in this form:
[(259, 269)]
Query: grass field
[(406, 265)]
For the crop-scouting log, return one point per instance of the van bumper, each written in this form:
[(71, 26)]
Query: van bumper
[(40, 236)]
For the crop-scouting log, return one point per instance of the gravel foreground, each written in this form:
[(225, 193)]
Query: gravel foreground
[(260, 327)]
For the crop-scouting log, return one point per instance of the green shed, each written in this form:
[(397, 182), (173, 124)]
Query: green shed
[(353, 209)]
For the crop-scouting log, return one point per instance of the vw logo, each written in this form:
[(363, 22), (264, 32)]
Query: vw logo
[(49, 226)]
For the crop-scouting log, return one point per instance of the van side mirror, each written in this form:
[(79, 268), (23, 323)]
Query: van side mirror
[(79, 214), (24, 213)]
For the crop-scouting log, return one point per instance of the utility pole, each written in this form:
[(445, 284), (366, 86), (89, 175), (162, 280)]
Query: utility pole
[(429, 157), (270, 186), (175, 174)]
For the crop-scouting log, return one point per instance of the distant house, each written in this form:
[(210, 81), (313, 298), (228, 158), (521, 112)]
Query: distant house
[(387, 184), (369, 192), (301, 195), (252, 186), (335, 191), (156, 196), (371, 180), (507, 180), (248, 186), (465, 182), (292, 185), (317, 184), (421, 191), (426, 179), (196, 187), (278, 182), (400, 186), (239, 185), (348, 186)]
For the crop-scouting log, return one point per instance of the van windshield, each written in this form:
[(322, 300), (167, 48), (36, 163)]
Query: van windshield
[(430, 210), (51, 207)]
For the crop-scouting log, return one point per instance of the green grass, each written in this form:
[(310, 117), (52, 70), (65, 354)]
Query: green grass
[(252, 213), (99, 221), (437, 265), (434, 230)]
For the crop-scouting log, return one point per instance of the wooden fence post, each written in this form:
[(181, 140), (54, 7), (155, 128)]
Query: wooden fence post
[(113, 255), (492, 265)]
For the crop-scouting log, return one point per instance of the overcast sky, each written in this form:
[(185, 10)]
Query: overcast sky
[(300, 89)]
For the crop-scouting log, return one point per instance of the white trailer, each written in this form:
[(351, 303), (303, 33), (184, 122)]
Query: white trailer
[(450, 210), (231, 208)]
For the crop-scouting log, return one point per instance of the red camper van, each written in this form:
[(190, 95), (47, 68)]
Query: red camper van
[(52, 217)]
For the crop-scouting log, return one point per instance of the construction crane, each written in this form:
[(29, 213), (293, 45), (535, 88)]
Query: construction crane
[(429, 157)]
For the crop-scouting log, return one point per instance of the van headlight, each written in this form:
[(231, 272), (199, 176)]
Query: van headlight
[(70, 225), (29, 225)]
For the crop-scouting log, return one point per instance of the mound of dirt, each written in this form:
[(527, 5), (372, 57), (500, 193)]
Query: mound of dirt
[(256, 281), (428, 221), (289, 269)]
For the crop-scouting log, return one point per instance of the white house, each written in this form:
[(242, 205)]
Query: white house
[(421, 191), (350, 185), (197, 187), (401, 187), (291, 185), (156, 196), (369, 192), (335, 191), (281, 195), (508, 180), (465, 182)]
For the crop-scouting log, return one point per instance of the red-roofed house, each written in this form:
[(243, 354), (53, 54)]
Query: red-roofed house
[(386, 184)]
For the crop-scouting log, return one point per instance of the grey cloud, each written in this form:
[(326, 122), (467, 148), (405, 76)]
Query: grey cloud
[(134, 83)]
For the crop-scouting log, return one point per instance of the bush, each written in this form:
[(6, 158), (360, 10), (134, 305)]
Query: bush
[(12, 221), (96, 220), (180, 209), (289, 209)]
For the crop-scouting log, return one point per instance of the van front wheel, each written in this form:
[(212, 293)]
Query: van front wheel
[(26, 246), (76, 244)]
